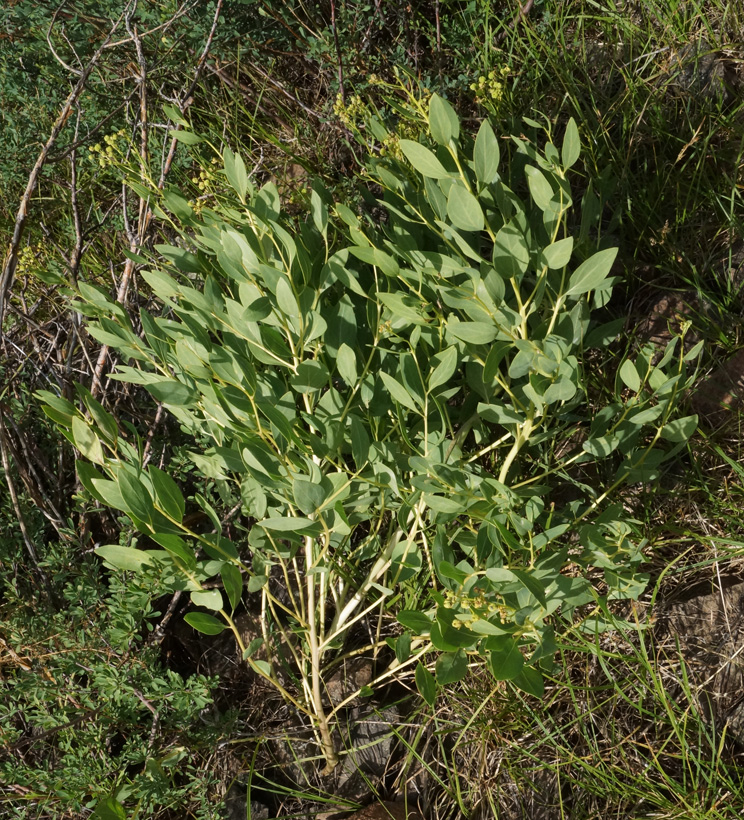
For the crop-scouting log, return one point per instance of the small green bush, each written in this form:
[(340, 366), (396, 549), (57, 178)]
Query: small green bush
[(397, 403)]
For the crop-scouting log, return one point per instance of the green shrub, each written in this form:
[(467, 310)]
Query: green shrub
[(397, 404)]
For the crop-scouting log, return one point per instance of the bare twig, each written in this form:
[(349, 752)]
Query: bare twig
[(11, 257), (146, 213), (523, 12)]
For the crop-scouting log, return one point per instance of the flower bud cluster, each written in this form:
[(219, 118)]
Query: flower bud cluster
[(490, 88)]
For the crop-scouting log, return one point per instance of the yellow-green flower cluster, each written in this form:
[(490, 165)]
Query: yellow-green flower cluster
[(203, 180), (475, 608), (107, 155), (26, 260), (490, 88), (350, 113), (391, 147)]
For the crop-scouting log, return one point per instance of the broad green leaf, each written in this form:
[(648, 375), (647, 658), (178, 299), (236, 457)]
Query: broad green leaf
[(532, 584), (504, 658), (451, 667), (558, 254), (463, 209), (403, 647), (629, 376), (177, 547), (346, 364), (135, 495), (416, 621), (443, 122), (232, 580), (359, 442), (170, 391), (498, 414), (292, 524), (446, 364), (86, 440), (591, 273), (311, 376), (308, 497), (235, 172), (571, 145), (486, 154), (126, 558), (186, 137), (680, 429), (207, 624), (510, 252), (531, 681), (319, 210), (426, 684), (440, 503), (397, 391), (209, 598), (285, 298), (169, 496), (109, 809), (475, 333), (540, 189), (423, 160)]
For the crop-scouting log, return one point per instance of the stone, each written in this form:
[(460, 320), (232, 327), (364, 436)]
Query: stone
[(709, 628)]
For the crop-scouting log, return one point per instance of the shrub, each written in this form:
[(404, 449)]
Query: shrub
[(397, 405)]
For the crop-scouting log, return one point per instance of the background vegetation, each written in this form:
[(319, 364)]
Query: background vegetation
[(109, 700)]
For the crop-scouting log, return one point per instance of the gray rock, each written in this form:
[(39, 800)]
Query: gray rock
[(709, 629)]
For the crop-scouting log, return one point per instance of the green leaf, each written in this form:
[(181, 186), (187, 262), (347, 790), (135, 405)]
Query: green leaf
[(205, 623), (397, 391), (311, 376), (540, 189), (346, 364), (285, 298), (86, 440), (446, 364), (474, 333), (423, 160), (451, 667), (309, 497), (186, 137), (232, 580), (680, 429), (293, 524), (558, 254), (443, 122), (168, 494), (504, 658), (126, 558), (571, 144), (359, 442), (416, 621), (591, 273), (403, 647), (319, 211), (531, 681), (177, 547), (511, 255), (209, 598), (135, 495), (235, 172), (426, 684), (109, 809), (629, 376), (486, 154), (464, 209), (170, 391)]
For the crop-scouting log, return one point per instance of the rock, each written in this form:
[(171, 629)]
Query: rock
[(709, 627), (721, 394), (369, 739), (350, 677)]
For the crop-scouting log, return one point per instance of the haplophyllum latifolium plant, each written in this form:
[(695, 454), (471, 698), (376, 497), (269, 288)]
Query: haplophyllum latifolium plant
[(384, 402)]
